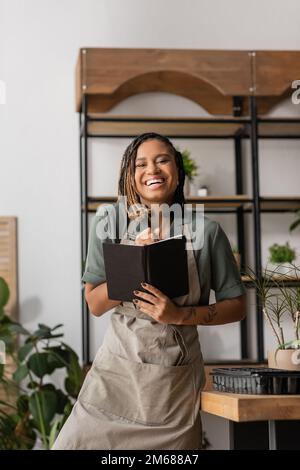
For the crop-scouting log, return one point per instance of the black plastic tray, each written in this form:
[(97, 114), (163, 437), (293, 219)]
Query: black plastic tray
[(256, 381)]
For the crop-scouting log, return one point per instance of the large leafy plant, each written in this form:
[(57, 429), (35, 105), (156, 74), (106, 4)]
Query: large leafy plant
[(33, 407)]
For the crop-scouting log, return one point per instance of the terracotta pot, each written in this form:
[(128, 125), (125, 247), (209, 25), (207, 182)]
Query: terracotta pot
[(287, 359)]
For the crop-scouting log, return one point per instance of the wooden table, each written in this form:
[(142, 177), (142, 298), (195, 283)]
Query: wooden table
[(257, 421)]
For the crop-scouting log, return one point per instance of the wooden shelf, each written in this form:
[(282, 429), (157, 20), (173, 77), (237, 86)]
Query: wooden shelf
[(210, 78), (112, 125), (287, 281), (276, 204), (280, 203), (234, 201), (278, 128), (268, 204)]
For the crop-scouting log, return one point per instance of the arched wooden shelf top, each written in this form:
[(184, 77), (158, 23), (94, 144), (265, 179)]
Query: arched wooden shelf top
[(170, 81), (210, 78)]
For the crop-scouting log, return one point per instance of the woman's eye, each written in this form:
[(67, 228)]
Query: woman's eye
[(139, 165)]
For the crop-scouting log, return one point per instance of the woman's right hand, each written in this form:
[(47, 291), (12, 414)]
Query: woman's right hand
[(146, 237)]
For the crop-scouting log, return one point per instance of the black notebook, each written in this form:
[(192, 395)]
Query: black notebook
[(162, 264)]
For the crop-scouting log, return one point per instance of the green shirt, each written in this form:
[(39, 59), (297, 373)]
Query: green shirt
[(217, 268)]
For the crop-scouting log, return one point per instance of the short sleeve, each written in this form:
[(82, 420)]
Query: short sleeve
[(226, 278), (94, 266)]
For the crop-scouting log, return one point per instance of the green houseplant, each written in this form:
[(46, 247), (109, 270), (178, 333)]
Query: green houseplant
[(190, 169), (281, 307), (189, 164), (281, 253), (32, 409), (281, 257)]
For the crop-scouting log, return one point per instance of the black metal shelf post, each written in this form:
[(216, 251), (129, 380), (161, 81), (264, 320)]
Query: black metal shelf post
[(257, 222), (239, 188), (84, 225)]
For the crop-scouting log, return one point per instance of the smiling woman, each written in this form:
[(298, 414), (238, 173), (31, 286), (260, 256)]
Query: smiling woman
[(143, 389), (151, 172)]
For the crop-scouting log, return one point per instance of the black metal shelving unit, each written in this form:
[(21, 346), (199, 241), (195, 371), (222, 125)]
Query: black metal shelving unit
[(251, 127)]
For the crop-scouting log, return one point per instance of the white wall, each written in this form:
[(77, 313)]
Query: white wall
[(39, 167)]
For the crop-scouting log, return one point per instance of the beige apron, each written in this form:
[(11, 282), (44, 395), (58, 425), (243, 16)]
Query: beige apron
[(143, 389)]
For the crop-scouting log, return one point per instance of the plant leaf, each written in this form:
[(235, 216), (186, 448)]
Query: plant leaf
[(39, 364), (18, 328), (42, 405), (20, 373), (44, 332), (62, 401), (294, 224), (22, 404), (294, 344), (53, 432), (24, 351), (58, 356), (4, 292), (75, 378), (57, 326)]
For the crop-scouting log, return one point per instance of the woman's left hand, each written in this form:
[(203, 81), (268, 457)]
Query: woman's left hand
[(162, 309)]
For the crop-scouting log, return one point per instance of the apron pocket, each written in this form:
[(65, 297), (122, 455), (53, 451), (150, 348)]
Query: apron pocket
[(181, 348), (151, 394)]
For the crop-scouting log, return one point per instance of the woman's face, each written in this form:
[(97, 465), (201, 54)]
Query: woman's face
[(156, 173)]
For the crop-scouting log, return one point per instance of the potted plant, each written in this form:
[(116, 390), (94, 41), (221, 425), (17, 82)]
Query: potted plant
[(32, 409), (190, 169), (281, 308), (281, 257)]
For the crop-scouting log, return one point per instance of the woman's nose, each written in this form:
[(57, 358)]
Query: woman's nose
[(152, 168)]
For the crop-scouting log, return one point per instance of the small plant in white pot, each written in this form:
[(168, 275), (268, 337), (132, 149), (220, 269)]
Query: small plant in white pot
[(281, 307), (281, 258)]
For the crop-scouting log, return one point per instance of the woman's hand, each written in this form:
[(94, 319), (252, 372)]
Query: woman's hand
[(162, 309), (146, 237)]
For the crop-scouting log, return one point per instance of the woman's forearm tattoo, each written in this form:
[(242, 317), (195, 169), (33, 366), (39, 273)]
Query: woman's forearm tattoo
[(212, 312), (192, 313)]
